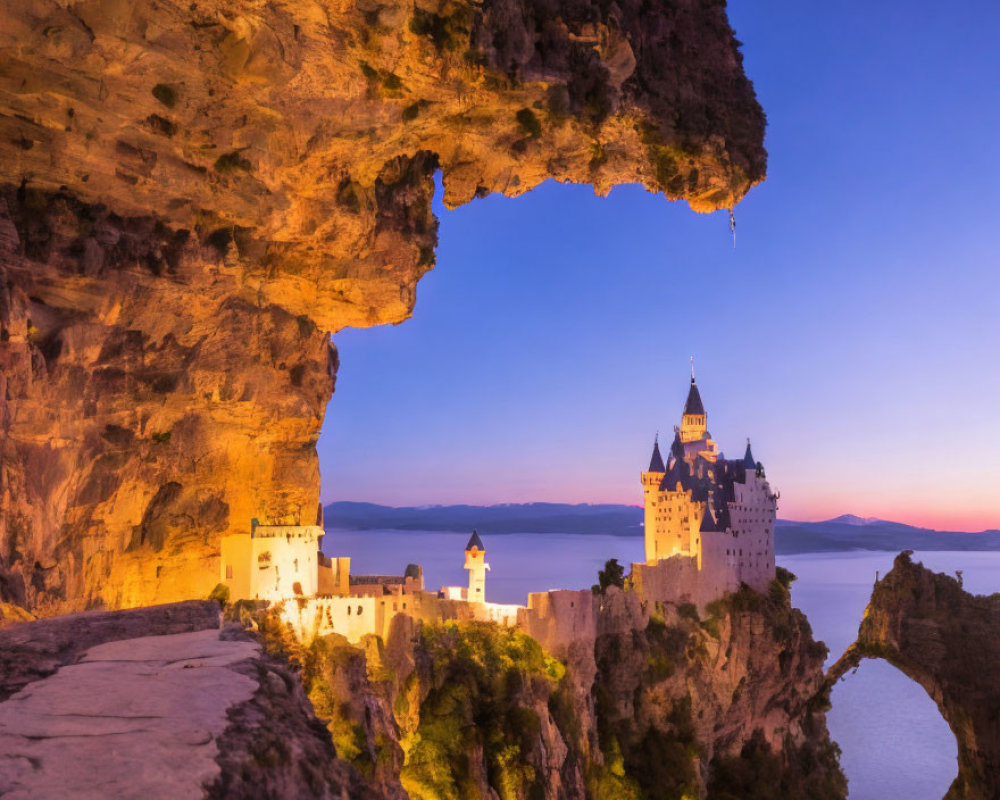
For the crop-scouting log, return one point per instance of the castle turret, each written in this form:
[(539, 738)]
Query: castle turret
[(651, 479), (694, 423), (475, 562)]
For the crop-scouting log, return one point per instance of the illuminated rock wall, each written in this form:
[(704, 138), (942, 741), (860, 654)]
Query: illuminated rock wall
[(193, 195)]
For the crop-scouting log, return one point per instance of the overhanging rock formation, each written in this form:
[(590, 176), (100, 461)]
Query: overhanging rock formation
[(948, 641), (192, 195)]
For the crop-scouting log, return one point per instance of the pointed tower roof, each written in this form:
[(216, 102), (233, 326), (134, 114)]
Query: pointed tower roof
[(677, 447), (475, 541), (694, 405), (656, 462), (748, 460), (677, 472)]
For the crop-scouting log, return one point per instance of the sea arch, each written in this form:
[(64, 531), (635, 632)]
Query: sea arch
[(948, 641)]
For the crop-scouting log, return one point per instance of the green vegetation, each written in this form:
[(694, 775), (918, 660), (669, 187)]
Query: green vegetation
[(785, 577), (220, 594), (165, 94), (484, 678), (758, 773), (613, 574), (331, 670)]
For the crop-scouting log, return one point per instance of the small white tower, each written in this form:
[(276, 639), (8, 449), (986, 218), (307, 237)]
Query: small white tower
[(475, 562)]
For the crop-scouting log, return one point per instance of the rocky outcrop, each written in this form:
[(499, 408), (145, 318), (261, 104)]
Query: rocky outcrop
[(660, 704), (948, 641), (157, 703), (193, 195)]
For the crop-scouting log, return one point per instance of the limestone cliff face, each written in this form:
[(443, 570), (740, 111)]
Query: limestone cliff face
[(948, 641), (659, 705), (192, 195)]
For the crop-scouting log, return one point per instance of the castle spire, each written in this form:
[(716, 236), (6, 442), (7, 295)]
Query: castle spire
[(656, 462), (694, 422), (694, 406), (748, 460), (475, 541)]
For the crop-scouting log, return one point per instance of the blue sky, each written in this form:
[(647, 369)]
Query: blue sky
[(853, 333)]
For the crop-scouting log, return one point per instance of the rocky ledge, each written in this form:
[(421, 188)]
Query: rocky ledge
[(158, 702), (948, 641), (193, 195)]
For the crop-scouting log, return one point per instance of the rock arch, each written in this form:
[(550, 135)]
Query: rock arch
[(948, 641)]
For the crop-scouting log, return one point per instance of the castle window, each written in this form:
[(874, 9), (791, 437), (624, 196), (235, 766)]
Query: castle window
[(348, 611), (229, 572), (360, 609)]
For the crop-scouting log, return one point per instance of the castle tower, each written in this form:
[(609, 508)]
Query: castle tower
[(694, 423), (651, 480), (475, 562)]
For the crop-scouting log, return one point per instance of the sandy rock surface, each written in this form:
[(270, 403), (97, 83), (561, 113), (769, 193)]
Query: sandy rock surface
[(136, 718)]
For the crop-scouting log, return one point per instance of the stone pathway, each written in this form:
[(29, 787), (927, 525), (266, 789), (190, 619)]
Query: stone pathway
[(135, 718)]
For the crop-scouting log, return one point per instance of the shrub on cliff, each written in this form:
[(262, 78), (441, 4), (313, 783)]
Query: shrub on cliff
[(613, 574), (801, 772), (485, 684)]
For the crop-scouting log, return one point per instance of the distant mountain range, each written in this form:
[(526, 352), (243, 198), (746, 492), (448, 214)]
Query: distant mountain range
[(616, 520), (846, 532)]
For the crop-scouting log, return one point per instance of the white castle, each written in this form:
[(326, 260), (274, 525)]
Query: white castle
[(717, 511), (709, 529)]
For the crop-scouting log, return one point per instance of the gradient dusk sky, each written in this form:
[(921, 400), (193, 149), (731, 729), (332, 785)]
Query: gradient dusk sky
[(854, 332)]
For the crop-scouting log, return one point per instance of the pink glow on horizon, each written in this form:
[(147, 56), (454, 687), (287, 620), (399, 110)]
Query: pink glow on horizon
[(971, 520), (936, 519)]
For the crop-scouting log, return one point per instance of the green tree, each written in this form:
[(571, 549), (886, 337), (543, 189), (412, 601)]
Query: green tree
[(613, 574)]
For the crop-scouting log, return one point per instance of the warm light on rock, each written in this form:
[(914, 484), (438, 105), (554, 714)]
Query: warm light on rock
[(191, 197)]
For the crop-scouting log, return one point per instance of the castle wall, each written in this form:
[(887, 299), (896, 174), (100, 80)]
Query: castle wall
[(235, 565), (753, 513), (283, 565), (679, 580), (560, 618), (333, 577)]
